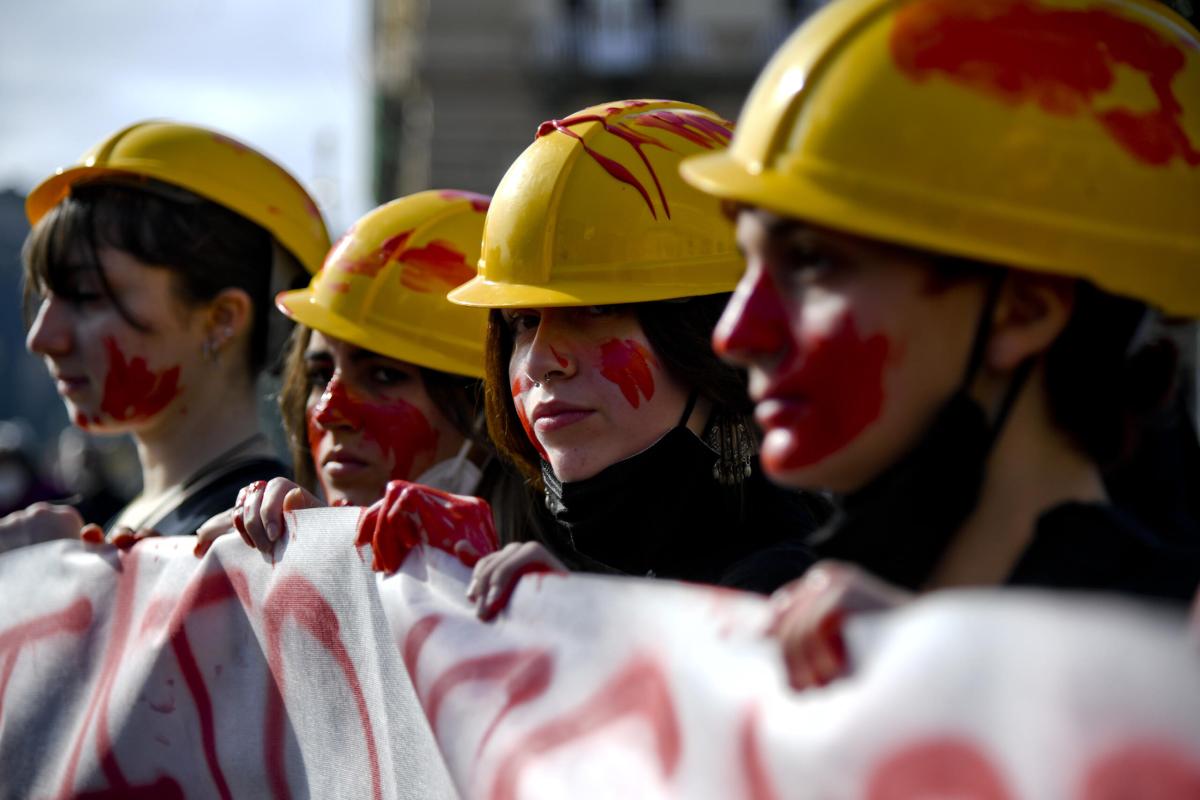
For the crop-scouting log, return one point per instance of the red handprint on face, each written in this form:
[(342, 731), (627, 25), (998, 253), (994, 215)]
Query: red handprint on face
[(410, 514)]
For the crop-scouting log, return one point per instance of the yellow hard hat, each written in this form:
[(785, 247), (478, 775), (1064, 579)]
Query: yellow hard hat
[(594, 212), (1053, 135), (209, 164), (384, 284)]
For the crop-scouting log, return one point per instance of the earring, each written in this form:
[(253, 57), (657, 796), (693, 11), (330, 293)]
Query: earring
[(735, 448)]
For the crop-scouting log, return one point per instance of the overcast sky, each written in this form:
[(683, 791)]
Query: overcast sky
[(290, 78)]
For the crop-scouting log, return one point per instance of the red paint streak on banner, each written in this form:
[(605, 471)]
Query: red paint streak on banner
[(297, 598), (700, 129), (520, 385), (98, 704), (948, 766), (208, 590), (526, 675), (436, 266), (1062, 59), (370, 264), (74, 619), (131, 390), (627, 364), (758, 780), (639, 690), (399, 428), (479, 202), (414, 643), (1146, 769)]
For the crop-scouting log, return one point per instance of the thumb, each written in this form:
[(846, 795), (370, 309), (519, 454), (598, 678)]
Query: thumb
[(299, 498)]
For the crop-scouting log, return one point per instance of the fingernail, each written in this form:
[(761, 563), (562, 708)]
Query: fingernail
[(124, 540), (200, 549), (272, 531), (471, 589), (92, 535)]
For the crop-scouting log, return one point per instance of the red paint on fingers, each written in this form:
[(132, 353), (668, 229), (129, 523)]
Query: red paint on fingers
[(132, 391), (1064, 60), (410, 515), (627, 364)]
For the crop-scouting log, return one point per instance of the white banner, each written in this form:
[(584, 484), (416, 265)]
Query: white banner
[(155, 674)]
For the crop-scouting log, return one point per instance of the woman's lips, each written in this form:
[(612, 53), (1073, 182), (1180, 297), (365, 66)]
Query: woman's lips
[(68, 385), (343, 465), (561, 419), (776, 412)]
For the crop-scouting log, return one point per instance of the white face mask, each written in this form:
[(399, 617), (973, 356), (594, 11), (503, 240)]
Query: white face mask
[(457, 475)]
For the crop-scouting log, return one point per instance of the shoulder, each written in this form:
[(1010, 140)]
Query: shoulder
[(1097, 546), (219, 495)]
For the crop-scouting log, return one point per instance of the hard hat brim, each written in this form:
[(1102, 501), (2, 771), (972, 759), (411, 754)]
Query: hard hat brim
[(1004, 235), (481, 293), (301, 306)]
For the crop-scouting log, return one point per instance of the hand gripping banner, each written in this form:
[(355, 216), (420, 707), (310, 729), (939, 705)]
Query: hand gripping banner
[(155, 674)]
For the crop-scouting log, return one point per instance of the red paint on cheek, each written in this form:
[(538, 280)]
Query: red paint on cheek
[(131, 390), (627, 364), (521, 385), (830, 389), (436, 266), (562, 362), (399, 428), (1062, 59)]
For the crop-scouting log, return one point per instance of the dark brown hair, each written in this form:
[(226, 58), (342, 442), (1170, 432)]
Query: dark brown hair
[(680, 333), (205, 246)]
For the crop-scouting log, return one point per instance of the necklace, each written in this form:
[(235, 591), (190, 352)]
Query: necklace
[(211, 470)]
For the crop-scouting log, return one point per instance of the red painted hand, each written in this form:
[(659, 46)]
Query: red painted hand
[(410, 514), (810, 613)]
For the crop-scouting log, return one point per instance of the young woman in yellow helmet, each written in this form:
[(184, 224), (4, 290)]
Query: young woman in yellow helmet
[(383, 379), (605, 275), (960, 220), (149, 273)]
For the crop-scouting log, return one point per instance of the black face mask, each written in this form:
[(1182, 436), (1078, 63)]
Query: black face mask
[(900, 524), (620, 519)]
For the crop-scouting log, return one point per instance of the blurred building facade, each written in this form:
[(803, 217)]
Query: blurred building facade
[(461, 85)]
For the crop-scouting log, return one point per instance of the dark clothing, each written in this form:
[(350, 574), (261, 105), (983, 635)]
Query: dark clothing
[(1098, 547), (219, 492), (667, 517)]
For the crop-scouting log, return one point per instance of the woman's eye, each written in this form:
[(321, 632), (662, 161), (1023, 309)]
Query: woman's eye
[(521, 322), (319, 377), (388, 376)]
